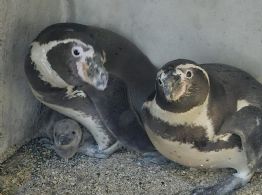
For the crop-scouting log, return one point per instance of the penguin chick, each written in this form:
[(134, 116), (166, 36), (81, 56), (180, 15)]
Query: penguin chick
[(67, 136)]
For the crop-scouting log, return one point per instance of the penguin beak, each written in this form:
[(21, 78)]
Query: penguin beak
[(97, 73), (168, 81)]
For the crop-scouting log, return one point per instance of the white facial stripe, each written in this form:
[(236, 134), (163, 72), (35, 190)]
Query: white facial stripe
[(186, 66), (39, 57), (47, 74), (80, 71), (178, 72)]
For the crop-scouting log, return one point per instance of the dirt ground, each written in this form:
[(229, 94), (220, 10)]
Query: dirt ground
[(36, 170)]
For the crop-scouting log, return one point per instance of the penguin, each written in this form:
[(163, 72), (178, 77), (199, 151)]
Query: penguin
[(64, 135), (95, 77), (207, 116), (67, 135)]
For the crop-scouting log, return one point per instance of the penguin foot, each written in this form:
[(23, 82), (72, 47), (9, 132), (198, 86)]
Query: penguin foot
[(47, 143), (94, 151), (153, 158), (71, 93), (225, 187)]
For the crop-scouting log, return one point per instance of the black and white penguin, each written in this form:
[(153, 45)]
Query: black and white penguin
[(207, 116), (95, 77)]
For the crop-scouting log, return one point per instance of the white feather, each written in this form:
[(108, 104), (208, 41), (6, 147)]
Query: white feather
[(197, 116), (47, 73)]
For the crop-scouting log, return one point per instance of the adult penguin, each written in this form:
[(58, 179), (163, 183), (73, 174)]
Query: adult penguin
[(96, 77), (207, 116)]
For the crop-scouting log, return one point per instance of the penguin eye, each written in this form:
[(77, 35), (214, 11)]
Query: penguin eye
[(73, 132), (77, 51), (189, 74)]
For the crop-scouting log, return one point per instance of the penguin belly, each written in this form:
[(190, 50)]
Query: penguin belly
[(188, 155)]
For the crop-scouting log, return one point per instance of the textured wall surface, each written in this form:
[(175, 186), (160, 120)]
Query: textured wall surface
[(20, 22), (225, 31)]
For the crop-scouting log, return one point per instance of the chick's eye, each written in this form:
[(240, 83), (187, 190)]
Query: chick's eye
[(77, 51), (73, 132), (189, 74)]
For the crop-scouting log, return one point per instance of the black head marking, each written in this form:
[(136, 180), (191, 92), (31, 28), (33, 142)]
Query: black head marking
[(181, 85)]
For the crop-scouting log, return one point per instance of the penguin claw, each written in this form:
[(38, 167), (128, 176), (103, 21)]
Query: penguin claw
[(71, 93)]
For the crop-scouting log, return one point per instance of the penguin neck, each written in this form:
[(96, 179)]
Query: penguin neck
[(192, 110), (181, 106)]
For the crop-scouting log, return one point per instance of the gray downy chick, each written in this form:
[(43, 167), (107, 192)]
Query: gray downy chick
[(67, 135)]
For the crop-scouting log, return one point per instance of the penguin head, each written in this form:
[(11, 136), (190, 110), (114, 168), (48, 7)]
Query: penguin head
[(66, 55), (67, 135), (182, 83)]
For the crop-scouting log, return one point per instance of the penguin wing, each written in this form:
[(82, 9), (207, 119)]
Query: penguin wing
[(114, 108), (247, 124)]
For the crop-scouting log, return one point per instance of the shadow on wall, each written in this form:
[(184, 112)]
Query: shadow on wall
[(21, 21)]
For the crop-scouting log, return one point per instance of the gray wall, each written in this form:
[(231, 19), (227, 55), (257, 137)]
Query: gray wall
[(20, 22), (225, 31)]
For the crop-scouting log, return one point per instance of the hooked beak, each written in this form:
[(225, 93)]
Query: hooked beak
[(96, 74), (101, 78), (168, 82)]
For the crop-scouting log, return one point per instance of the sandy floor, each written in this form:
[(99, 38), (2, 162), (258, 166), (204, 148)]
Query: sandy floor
[(36, 170)]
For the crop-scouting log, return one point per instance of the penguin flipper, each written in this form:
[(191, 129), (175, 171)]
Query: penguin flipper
[(114, 107), (247, 124)]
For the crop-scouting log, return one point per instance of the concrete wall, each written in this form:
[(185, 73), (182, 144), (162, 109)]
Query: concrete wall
[(225, 31), (20, 22)]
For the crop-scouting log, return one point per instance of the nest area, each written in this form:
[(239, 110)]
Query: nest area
[(37, 170)]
